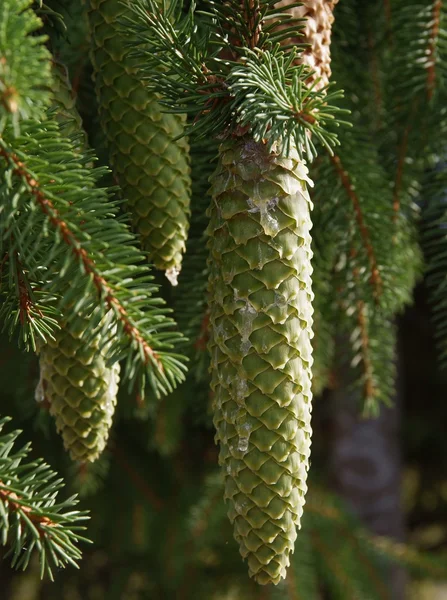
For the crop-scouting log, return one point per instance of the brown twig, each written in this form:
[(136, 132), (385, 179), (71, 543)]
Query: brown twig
[(431, 69), (48, 208), (202, 340), (375, 278), (375, 77), (370, 390), (251, 18), (14, 501), (136, 479), (388, 19), (399, 172), (369, 387), (25, 301)]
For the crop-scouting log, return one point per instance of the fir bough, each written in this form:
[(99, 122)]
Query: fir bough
[(32, 518), (24, 63), (68, 236)]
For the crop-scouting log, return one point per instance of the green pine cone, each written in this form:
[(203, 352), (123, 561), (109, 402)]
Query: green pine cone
[(80, 389), (152, 169), (261, 355)]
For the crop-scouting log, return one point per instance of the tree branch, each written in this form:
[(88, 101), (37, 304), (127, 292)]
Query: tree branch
[(104, 290), (375, 278), (431, 63)]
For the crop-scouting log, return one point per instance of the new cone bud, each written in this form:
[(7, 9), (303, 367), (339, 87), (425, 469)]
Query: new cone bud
[(151, 166), (80, 389), (261, 356)]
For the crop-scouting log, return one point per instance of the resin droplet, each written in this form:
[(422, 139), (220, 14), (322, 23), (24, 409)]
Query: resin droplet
[(243, 430), (172, 275), (39, 394), (248, 314), (240, 387), (269, 222)]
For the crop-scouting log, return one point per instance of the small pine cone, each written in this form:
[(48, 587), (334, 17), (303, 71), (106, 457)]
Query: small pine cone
[(317, 32), (261, 355), (80, 390), (152, 169)]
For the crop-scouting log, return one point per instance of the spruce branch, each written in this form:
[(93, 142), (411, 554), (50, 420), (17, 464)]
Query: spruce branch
[(416, 93), (68, 236), (24, 63), (24, 304), (31, 517), (272, 101), (260, 89), (354, 192), (433, 41), (434, 243), (375, 277)]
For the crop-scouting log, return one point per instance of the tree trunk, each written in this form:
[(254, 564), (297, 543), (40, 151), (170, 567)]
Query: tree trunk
[(366, 466)]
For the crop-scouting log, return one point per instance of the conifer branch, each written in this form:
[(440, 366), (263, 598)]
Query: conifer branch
[(433, 39), (264, 92), (402, 154), (368, 385), (335, 569), (85, 249), (24, 63), (388, 18), (375, 277), (75, 247), (434, 241), (376, 82), (31, 519), (417, 67)]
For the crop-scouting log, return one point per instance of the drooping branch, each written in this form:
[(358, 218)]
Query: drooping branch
[(24, 510), (399, 172), (375, 277), (369, 387), (32, 517), (431, 58), (105, 291)]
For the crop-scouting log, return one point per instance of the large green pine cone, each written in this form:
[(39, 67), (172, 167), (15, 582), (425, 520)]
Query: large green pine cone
[(152, 169), (80, 389), (261, 355)]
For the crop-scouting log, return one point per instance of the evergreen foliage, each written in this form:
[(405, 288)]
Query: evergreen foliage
[(24, 64), (76, 286), (80, 247), (32, 519)]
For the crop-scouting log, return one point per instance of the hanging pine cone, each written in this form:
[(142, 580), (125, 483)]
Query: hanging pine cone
[(317, 34), (152, 169), (80, 390), (261, 357)]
